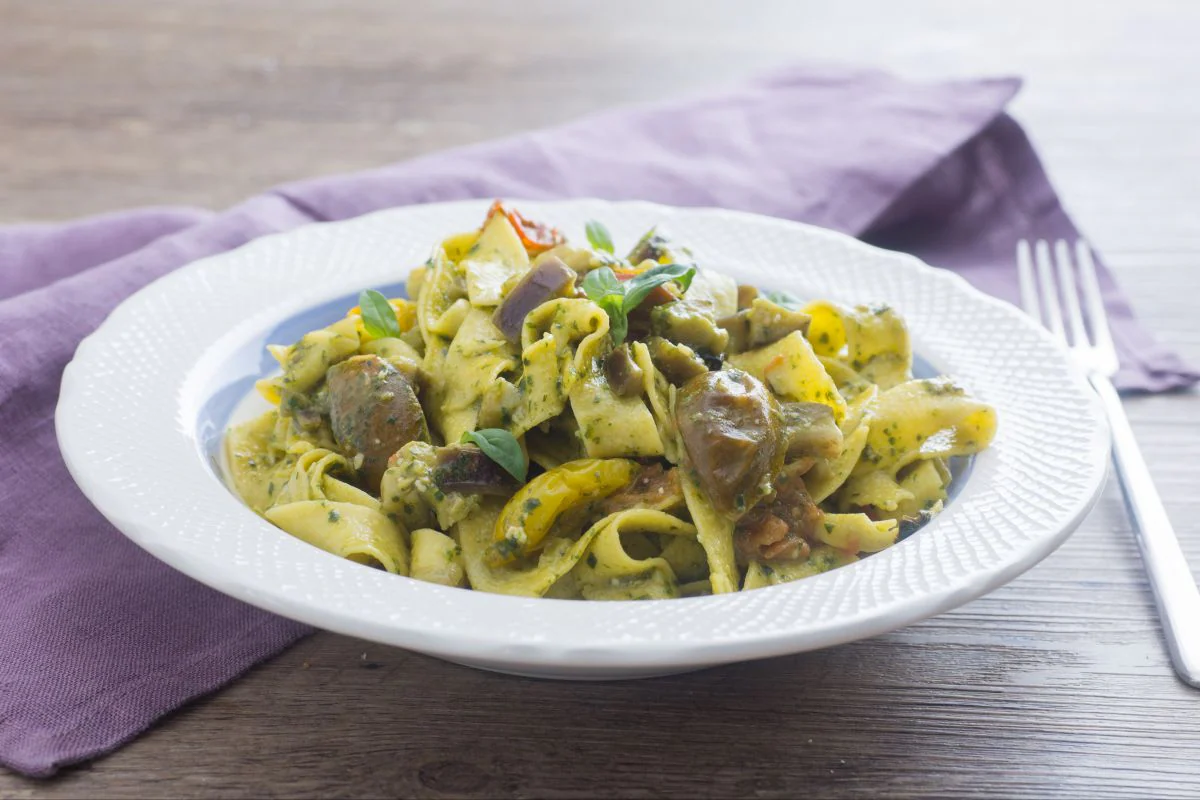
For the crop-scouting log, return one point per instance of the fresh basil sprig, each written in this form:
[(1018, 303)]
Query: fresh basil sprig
[(598, 236), (602, 288), (378, 316), (502, 447), (620, 298), (641, 285)]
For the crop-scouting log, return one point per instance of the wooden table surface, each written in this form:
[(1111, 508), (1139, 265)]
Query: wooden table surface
[(1056, 684)]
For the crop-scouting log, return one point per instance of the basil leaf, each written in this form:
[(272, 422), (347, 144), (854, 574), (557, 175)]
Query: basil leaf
[(618, 299), (598, 236), (618, 320), (378, 316), (600, 282), (641, 285), (785, 299), (502, 447), (602, 288)]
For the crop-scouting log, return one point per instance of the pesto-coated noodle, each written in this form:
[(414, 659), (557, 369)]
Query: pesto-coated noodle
[(677, 434)]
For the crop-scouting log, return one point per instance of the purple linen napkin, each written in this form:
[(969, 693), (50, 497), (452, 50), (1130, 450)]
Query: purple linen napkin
[(98, 640)]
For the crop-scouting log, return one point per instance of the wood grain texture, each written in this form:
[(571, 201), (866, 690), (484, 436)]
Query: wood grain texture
[(1055, 685)]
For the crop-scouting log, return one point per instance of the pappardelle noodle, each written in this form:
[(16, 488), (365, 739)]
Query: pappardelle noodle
[(541, 418)]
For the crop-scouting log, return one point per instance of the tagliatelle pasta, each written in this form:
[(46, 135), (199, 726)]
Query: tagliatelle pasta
[(548, 420)]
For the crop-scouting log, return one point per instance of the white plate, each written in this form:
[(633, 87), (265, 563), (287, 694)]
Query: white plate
[(145, 400)]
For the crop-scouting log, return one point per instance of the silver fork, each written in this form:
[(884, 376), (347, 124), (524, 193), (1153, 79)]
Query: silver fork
[(1086, 335)]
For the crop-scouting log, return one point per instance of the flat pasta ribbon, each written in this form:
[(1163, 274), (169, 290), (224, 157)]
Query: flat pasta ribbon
[(561, 555), (351, 531), (872, 340), (559, 341), (929, 418), (442, 302), (827, 476), (609, 572), (773, 573), (330, 514), (612, 426), (494, 259), (660, 394), (791, 369), (714, 531), (256, 468), (476, 358)]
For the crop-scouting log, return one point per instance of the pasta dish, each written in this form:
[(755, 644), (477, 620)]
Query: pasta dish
[(546, 419)]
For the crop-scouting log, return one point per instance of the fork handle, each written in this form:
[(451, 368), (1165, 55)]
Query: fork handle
[(1175, 590)]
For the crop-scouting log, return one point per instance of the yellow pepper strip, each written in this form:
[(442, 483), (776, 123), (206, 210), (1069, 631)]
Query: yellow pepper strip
[(532, 511)]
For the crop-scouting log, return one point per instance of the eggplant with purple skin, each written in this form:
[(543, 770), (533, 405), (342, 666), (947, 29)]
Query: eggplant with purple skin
[(548, 279), (651, 247), (781, 527), (464, 468), (730, 427), (374, 411), (682, 323), (624, 375), (678, 363), (760, 324), (809, 430), (654, 488)]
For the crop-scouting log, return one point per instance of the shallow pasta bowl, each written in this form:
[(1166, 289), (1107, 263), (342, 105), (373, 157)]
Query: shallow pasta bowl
[(148, 395)]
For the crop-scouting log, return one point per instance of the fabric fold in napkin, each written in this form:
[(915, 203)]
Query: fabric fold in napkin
[(98, 639)]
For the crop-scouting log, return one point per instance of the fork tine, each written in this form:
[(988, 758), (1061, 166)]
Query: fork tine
[(1097, 315), (1070, 294), (1045, 270), (1029, 295)]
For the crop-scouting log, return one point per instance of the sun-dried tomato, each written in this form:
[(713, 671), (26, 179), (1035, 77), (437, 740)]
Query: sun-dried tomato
[(536, 236)]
